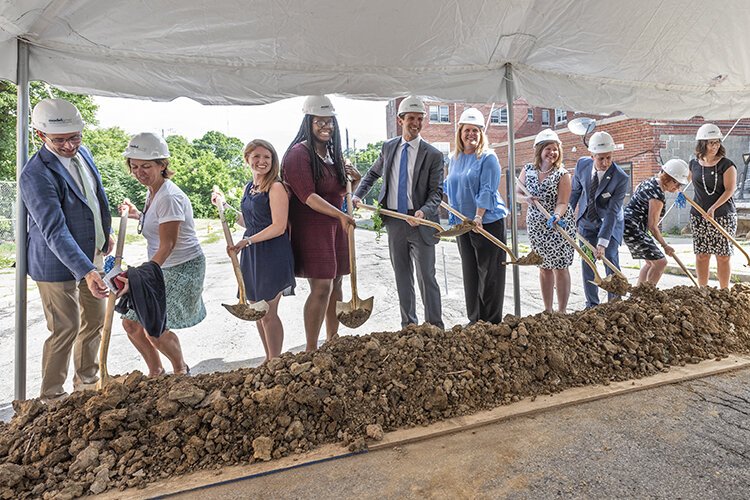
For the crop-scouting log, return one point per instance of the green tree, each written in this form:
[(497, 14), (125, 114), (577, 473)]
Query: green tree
[(363, 160), (37, 92), (225, 148)]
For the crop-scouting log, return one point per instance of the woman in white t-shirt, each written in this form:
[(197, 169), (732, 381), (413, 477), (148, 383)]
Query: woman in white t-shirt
[(167, 224)]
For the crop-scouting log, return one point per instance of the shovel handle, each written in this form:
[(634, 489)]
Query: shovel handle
[(685, 269), (606, 261), (399, 215), (109, 313), (232, 255), (718, 227), (352, 250), (480, 230), (598, 278)]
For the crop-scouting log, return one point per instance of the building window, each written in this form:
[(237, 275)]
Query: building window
[(499, 116), (545, 118), (530, 115), (628, 168), (440, 114), (561, 116)]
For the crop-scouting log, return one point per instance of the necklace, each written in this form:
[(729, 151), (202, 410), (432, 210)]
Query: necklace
[(716, 181), (547, 171)]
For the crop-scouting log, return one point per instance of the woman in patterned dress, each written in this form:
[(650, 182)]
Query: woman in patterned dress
[(714, 181), (548, 182), (167, 224), (315, 172), (643, 212), (266, 259)]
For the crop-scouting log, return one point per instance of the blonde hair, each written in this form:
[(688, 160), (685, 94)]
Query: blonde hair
[(460, 143), (273, 174), (538, 154)]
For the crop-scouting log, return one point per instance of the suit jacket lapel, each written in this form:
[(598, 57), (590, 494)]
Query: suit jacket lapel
[(418, 164), (605, 179), (53, 163)]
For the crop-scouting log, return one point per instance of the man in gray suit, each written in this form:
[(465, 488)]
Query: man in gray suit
[(412, 172)]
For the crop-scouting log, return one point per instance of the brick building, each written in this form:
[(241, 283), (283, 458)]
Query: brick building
[(640, 142)]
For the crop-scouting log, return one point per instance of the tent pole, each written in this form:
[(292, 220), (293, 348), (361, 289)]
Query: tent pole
[(511, 169), (22, 154)]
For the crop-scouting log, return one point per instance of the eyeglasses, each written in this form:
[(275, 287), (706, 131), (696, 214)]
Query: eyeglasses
[(73, 140), (323, 123)]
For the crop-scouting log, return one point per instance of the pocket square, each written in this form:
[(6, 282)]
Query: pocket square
[(606, 195)]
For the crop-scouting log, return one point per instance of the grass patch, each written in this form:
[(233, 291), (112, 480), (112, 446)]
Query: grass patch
[(7, 255), (211, 238)]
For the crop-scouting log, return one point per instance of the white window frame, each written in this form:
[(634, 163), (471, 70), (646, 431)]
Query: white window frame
[(440, 113), (561, 116), (499, 116), (545, 121), (530, 115)]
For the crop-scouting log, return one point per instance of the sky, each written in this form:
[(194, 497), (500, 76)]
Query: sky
[(277, 122)]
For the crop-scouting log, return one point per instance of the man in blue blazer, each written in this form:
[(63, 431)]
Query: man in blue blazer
[(69, 230), (412, 172), (599, 188)]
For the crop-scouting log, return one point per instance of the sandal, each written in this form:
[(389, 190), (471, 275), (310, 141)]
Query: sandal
[(162, 372)]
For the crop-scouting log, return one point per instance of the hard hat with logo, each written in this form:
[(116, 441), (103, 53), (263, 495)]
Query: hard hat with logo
[(411, 104), (56, 116), (546, 135), (677, 169), (318, 105), (708, 131), (146, 146), (601, 142), (472, 116)]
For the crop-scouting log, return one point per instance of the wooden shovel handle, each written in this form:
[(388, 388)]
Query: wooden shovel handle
[(481, 231), (718, 227), (685, 269), (232, 255), (398, 215), (352, 252), (606, 261), (562, 232)]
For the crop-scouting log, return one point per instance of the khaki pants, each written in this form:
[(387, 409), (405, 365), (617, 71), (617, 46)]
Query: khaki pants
[(75, 319)]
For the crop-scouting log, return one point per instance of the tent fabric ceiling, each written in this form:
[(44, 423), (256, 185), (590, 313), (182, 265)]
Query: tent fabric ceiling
[(668, 59)]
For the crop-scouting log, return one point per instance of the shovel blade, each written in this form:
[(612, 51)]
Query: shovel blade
[(248, 312), (355, 313), (457, 230)]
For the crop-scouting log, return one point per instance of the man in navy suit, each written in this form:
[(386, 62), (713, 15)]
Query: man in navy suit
[(69, 226), (599, 188), (412, 172)]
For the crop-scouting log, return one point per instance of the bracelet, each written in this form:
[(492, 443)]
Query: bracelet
[(249, 241), (478, 217)]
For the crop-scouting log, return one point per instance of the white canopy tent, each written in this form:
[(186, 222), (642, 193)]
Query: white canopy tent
[(666, 59)]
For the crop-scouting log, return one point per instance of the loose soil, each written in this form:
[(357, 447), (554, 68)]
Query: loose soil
[(530, 259), (353, 389), (614, 283)]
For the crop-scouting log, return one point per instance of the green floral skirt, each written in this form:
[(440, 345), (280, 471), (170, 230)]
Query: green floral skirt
[(184, 287)]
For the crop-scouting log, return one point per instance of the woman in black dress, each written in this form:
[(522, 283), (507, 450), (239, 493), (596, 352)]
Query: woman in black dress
[(643, 213), (266, 260), (714, 180)]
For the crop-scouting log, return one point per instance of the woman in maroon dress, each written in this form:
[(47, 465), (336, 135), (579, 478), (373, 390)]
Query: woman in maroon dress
[(315, 171)]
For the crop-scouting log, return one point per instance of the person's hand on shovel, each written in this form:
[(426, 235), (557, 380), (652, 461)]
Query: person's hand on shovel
[(599, 252), (121, 281), (419, 215), (96, 284), (133, 212), (217, 197)]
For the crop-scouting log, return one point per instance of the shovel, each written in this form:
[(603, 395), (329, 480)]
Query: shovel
[(685, 269), (453, 231), (598, 281), (719, 228), (532, 259), (354, 313), (110, 311), (243, 309)]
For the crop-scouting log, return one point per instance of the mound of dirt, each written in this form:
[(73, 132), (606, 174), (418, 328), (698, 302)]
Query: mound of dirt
[(354, 388)]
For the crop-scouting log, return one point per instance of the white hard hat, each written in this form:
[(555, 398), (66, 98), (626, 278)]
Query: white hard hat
[(56, 116), (546, 135), (601, 142), (411, 104), (472, 116), (677, 169), (318, 105), (146, 146), (707, 132)]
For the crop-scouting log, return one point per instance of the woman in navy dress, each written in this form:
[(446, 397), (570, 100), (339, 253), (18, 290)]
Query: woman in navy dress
[(266, 252)]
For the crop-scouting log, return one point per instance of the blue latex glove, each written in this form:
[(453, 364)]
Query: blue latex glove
[(109, 263), (680, 201), (555, 219)]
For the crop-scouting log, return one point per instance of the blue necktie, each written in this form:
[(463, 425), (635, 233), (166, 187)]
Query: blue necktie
[(403, 180)]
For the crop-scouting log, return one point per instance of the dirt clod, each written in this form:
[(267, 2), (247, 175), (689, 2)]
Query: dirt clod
[(142, 430)]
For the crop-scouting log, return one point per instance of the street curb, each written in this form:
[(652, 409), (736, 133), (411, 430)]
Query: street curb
[(735, 278)]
